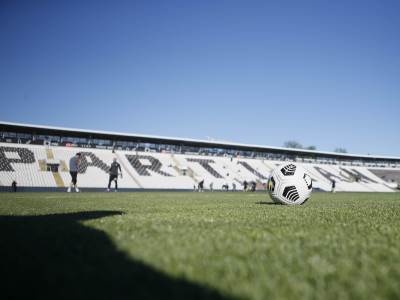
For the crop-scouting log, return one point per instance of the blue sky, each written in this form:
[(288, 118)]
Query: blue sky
[(324, 73)]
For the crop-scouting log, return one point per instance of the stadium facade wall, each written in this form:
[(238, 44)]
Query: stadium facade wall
[(38, 167)]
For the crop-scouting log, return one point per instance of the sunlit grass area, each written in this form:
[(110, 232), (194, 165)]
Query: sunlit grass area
[(199, 246)]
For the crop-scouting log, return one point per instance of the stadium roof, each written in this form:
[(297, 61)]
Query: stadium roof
[(97, 134)]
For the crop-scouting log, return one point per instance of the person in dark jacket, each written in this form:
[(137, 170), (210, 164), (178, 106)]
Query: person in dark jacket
[(253, 186), (115, 167), (14, 186), (201, 186)]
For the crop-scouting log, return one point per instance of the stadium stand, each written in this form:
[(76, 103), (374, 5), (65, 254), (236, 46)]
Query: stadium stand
[(161, 170), (390, 175), (168, 164)]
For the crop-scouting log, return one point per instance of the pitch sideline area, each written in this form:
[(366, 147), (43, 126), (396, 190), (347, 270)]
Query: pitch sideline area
[(199, 246)]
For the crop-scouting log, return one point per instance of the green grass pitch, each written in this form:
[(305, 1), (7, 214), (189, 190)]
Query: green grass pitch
[(153, 245)]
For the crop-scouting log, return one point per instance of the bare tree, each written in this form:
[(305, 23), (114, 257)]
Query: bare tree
[(340, 150), (312, 147), (293, 144)]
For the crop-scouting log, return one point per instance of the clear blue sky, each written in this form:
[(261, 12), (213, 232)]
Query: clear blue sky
[(324, 73)]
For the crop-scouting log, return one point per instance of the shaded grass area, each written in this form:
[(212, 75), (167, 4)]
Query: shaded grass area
[(199, 246)]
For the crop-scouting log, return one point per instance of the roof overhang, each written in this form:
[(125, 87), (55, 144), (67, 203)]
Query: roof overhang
[(97, 134)]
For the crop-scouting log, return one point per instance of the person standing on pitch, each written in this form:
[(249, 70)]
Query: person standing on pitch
[(201, 186), (74, 163), (114, 174), (333, 186), (14, 186), (245, 186), (211, 186)]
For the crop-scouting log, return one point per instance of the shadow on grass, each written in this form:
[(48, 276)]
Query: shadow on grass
[(57, 257), (267, 203)]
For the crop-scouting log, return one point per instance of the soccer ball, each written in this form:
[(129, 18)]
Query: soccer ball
[(289, 184)]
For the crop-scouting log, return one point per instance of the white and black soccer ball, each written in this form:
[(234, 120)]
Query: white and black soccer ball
[(289, 184)]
